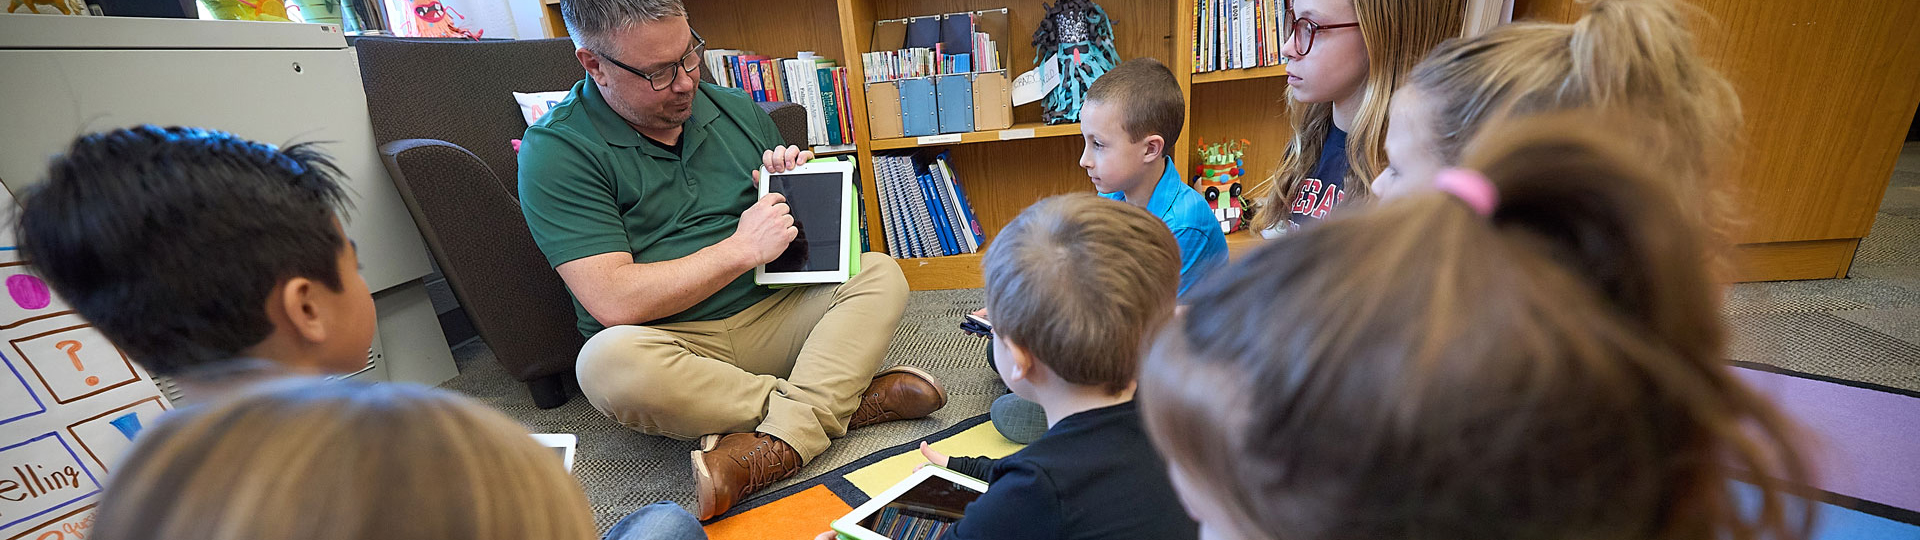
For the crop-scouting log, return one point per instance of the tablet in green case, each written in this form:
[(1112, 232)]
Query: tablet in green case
[(925, 506)]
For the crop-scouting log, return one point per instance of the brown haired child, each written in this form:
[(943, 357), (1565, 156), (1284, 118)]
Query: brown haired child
[(1069, 337), (1531, 351)]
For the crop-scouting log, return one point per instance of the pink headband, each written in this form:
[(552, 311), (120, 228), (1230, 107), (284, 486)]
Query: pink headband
[(1470, 187)]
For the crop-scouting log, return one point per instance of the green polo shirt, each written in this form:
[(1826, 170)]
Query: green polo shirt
[(590, 184)]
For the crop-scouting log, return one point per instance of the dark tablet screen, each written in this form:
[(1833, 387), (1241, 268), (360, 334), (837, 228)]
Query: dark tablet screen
[(814, 199)]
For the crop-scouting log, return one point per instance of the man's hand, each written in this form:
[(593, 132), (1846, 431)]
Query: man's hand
[(765, 230), (785, 158)]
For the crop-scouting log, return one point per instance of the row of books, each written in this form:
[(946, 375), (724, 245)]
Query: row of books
[(923, 207), (817, 84), (931, 45), (898, 525), (1238, 34), (921, 62)]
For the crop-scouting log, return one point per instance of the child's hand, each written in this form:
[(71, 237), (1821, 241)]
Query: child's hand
[(785, 158), (829, 535), (982, 313), (933, 456)]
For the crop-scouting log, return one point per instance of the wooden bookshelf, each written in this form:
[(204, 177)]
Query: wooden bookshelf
[(1240, 74), (1031, 130), (1242, 241)]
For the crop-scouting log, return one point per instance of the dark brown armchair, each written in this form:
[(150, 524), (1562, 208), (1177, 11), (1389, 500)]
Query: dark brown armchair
[(443, 114)]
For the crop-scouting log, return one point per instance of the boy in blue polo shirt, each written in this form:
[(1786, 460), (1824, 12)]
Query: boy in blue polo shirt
[(1132, 116)]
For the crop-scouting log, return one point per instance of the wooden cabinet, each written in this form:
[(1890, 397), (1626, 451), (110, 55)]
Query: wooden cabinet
[(1828, 90)]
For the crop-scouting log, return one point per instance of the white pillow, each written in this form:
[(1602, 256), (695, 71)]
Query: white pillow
[(535, 105)]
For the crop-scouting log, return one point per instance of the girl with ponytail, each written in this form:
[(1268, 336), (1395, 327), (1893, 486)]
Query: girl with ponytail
[(1632, 60), (1529, 351), (1344, 60)]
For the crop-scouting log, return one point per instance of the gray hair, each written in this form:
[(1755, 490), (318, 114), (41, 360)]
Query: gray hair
[(591, 22)]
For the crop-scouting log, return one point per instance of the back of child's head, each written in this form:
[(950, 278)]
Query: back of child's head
[(314, 460), (1550, 368), (1398, 33), (1147, 93), (1627, 58), (169, 240), (1080, 282)]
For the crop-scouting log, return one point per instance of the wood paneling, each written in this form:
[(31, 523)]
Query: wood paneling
[(1779, 261), (1828, 89), (799, 25)]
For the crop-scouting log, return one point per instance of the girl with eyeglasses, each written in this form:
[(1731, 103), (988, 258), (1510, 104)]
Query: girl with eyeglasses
[(1344, 60)]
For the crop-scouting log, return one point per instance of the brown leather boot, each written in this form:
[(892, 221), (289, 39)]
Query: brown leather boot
[(728, 468), (898, 393)]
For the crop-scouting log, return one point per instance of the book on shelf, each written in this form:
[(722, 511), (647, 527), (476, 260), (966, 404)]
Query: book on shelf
[(924, 206), (1238, 34), (808, 80)]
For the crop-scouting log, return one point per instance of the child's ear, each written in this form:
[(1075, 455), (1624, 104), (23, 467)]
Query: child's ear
[(1020, 366), (1156, 148), (301, 311)]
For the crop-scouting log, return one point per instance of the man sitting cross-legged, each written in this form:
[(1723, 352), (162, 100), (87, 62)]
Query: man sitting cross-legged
[(638, 188)]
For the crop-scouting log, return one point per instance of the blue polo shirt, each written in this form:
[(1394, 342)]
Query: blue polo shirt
[(1203, 247)]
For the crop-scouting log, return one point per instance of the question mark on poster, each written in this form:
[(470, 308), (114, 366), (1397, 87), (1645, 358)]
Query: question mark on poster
[(73, 353)]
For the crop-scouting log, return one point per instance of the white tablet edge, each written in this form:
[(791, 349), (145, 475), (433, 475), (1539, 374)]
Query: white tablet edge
[(564, 441), (849, 525), (763, 277)]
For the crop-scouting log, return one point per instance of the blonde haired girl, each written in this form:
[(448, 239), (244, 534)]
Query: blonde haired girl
[(304, 460), (1344, 60), (1630, 60)]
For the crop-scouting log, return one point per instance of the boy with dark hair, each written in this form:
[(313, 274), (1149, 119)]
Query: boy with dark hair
[(206, 257), (1070, 338), (1132, 116)]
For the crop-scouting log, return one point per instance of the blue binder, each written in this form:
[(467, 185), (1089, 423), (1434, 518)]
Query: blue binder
[(919, 115), (955, 94)]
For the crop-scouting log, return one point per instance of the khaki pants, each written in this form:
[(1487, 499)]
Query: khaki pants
[(792, 366)]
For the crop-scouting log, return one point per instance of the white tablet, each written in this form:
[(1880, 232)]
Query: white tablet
[(923, 507), (820, 196), (562, 445)]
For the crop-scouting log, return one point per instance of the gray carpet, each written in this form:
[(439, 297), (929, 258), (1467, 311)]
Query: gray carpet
[(623, 470), (1864, 328)]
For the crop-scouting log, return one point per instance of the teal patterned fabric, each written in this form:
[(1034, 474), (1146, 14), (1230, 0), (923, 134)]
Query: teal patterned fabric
[(1079, 34)]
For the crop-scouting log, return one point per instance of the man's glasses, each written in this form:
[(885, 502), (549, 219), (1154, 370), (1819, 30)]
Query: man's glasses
[(1301, 31), (664, 77)]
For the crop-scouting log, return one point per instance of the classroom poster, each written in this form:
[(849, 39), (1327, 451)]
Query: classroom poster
[(70, 405)]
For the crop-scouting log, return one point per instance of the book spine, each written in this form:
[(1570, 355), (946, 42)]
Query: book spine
[(936, 212), (903, 197), (943, 186), (966, 206), (1246, 36), (828, 93), (895, 228), (754, 82), (1260, 32), (846, 104)]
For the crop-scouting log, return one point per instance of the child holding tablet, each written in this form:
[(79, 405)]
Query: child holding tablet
[(1069, 337)]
